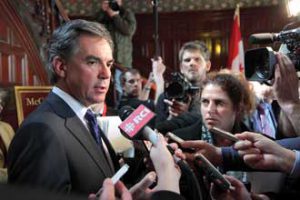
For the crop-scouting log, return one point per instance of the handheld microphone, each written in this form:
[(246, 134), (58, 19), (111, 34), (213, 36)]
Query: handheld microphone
[(134, 125)]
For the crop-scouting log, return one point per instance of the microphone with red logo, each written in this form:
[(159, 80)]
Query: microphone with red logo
[(134, 125)]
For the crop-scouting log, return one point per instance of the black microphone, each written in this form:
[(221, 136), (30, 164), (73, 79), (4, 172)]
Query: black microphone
[(263, 38), (283, 36)]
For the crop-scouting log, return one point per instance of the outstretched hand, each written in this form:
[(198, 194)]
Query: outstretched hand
[(261, 152), (109, 191), (211, 152), (236, 192)]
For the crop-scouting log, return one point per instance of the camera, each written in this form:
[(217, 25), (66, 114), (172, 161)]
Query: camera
[(179, 88), (260, 62), (113, 4)]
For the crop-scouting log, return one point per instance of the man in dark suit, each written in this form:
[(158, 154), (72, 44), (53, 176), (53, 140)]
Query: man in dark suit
[(55, 147)]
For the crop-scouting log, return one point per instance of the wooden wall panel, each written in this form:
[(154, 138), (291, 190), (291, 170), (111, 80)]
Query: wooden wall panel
[(211, 26), (17, 43)]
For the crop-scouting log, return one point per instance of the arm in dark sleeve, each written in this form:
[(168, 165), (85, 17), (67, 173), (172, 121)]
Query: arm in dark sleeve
[(232, 160), (125, 23), (36, 158), (182, 121), (290, 143), (161, 110)]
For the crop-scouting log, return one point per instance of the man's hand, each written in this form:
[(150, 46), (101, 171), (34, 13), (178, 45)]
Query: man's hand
[(286, 82), (158, 70), (109, 190), (211, 152), (260, 152), (168, 172), (158, 67), (105, 7), (238, 192), (176, 107), (286, 92), (141, 191)]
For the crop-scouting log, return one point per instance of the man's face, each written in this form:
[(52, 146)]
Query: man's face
[(216, 108), (132, 85), (87, 73), (194, 66)]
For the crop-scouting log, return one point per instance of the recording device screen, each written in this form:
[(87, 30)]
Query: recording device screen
[(211, 173)]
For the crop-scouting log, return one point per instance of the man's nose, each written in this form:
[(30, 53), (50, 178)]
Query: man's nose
[(193, 62), (104, 72), (211, 107)]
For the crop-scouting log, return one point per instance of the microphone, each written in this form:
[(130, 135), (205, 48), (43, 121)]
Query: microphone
[(134, 125), (283, 36), (263, 38)]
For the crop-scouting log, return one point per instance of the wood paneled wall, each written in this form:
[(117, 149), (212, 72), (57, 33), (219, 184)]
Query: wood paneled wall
[(19, 57), (213, 27)]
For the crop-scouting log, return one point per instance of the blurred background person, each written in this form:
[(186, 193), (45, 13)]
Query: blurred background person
[(121, 24), (6, 135), (133, 94), (265, 117), (194, 58)]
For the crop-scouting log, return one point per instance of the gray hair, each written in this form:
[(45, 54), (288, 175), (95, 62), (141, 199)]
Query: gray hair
[(192, 46), (64, 41)]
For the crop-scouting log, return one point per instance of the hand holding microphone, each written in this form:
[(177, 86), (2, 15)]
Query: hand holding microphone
[(168, 172), (135, 127)]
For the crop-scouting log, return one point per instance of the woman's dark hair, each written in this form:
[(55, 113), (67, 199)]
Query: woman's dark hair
[(235, 89)]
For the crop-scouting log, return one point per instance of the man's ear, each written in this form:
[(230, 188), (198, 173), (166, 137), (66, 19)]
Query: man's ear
[(180, 68), (208, 65), (59, 66)]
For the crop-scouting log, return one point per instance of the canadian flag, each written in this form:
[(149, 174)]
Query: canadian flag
[(236, 48)]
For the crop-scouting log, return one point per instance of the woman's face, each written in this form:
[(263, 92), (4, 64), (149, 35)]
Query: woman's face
[(216, 108)]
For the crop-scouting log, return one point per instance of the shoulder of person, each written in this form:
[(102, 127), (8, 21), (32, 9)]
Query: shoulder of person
[(166, 195)]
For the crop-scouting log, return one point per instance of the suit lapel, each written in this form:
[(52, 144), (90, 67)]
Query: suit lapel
[(80, 132)]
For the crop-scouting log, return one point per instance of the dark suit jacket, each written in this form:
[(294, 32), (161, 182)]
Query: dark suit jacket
[(53, 149)]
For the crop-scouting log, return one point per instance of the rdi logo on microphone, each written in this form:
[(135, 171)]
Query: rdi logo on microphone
[(136, 121)]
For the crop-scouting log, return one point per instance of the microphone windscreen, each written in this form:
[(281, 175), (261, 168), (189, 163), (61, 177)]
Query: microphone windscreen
[(261, 38), (125, 111)]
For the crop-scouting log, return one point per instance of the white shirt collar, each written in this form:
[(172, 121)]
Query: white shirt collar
[(75, 105)]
